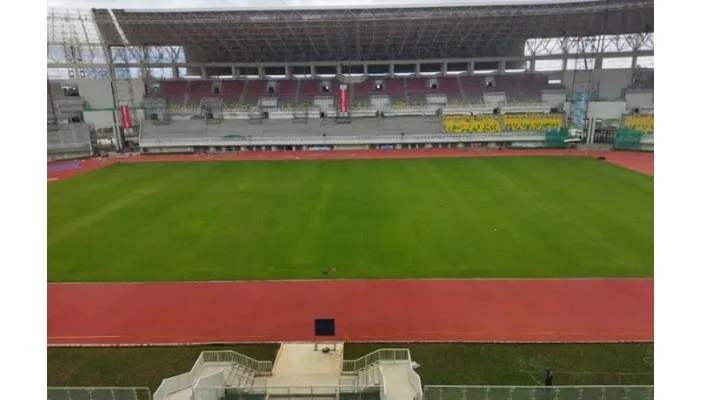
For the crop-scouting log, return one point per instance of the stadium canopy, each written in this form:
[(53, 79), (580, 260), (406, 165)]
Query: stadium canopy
[(370, 33)]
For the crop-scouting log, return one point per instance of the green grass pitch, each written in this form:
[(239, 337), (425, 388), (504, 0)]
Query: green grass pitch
[(441, 363), (455, 218)]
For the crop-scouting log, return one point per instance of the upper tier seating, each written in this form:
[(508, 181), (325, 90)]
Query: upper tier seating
[(532, 122), (643, 123), (471, 124)]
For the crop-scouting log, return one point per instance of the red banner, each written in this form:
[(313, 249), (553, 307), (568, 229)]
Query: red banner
[(125, 118), (343, 99)]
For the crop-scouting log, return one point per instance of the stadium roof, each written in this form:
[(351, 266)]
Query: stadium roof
[(370, 33)]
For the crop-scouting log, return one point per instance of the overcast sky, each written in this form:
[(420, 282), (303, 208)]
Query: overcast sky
[(228, 4)]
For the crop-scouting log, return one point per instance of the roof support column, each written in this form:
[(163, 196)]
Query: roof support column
[(204, 74), (633, 63), (313, 70), (501, 68), (235, 71), (365, 69), (564, 63), (287, 71), (175, 72), (417, 69), (391, 70), (339, 70), (533, 64), (598, 62), (261, 72), (444, 68), (471, 68)]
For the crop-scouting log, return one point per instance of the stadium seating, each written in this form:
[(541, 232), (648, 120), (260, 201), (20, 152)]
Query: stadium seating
[(532, 122), (310, 88), (69, 138), (254, 90), (174, 93), (197, 128), (643, 123), (471, 124)]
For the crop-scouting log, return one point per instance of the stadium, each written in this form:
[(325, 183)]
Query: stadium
[(440, 202)]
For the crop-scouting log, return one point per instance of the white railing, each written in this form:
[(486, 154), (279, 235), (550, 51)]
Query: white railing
[(243, 380), (341, 139), (538, 392), (290, 391), (183, 381), (68, 145), (228, 356), (415, 381), (374, 358), (383, 385), (171, 385)]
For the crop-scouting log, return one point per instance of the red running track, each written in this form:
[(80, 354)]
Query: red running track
[(590, 310), (639, 161)]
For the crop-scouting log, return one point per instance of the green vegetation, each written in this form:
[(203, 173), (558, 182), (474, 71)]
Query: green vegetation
[(441, 364), (456, 218), (133, 366), (523, 364)]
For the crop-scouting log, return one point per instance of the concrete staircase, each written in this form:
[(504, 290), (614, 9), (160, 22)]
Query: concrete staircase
[(398, 381)]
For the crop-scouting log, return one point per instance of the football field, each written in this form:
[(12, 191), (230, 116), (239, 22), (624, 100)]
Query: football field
[(422, 218)]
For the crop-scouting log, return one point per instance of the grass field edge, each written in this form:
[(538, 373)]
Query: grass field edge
[(622, 278), (193, 344)]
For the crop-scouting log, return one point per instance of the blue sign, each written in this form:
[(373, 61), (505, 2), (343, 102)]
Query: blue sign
[(578, 109)]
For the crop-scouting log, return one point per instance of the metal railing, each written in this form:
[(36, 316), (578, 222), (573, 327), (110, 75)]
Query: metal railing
[(342, 139), (228, 357), (383, 387), (434, 392), (103, 393), (301, 392), (416, 382), (238, 379), (374, 358), (69, 145)]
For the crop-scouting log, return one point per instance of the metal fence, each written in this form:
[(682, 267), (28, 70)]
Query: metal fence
[(232, 357), (356, 366), (98, 393), (341, 139), (538, 393), (281, 393), (226, 357)]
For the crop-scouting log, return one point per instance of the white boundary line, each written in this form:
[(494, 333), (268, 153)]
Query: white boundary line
[(357, 280), (217, 343)]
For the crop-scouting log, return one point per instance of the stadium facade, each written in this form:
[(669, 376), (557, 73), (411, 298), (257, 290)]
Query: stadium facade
[(233, 80)]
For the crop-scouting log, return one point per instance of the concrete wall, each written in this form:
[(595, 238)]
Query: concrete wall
[(640, 100), (99, 119), (606, 109), (608, 83), (96, 92)]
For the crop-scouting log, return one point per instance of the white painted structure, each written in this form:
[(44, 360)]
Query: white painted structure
[(299, 370)]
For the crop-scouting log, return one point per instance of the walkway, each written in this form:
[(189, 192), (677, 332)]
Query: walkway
[(398, 381)]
